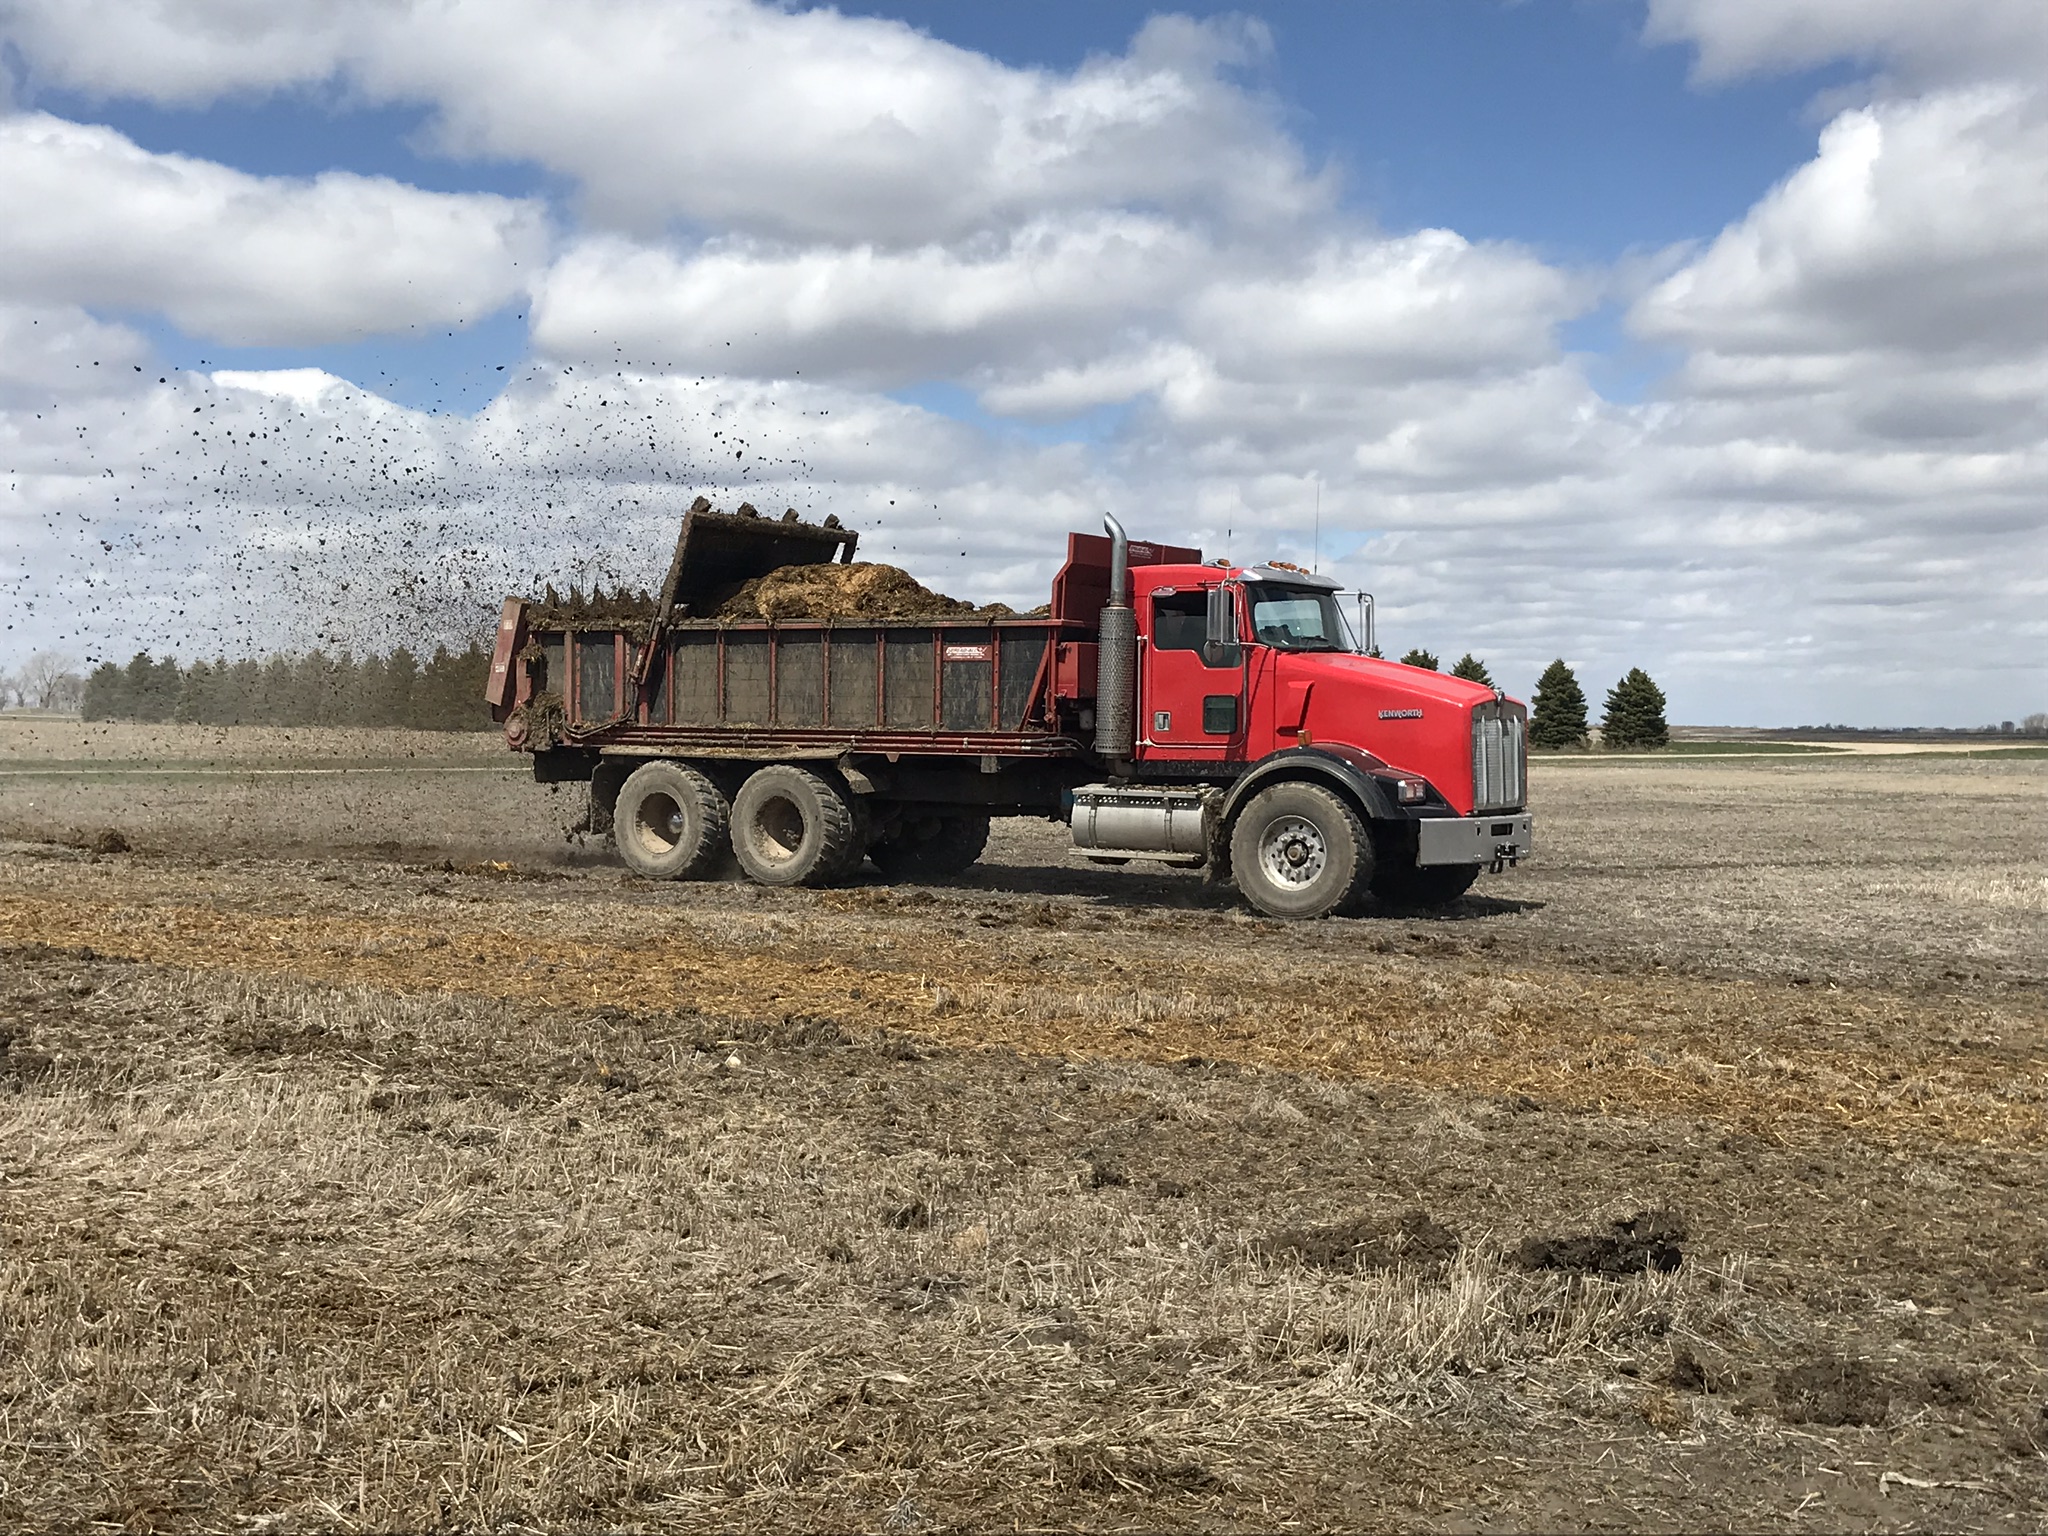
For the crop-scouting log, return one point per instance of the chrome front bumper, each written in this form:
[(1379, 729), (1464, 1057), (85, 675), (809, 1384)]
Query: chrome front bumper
[(1493, 840)]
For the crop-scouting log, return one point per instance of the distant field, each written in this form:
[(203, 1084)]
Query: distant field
[(374, 1155), (27, 740), (1680, 748), (1757, 748)]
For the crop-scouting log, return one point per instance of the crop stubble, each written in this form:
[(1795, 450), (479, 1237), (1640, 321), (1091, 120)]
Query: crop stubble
[(355, 1194)]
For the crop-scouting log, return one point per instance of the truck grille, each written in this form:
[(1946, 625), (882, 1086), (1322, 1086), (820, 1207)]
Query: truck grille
[(1500, 756)]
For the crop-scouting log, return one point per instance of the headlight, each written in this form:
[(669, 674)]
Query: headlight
[(1409, 791)]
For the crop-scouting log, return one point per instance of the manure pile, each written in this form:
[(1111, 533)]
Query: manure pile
[(857, 591)]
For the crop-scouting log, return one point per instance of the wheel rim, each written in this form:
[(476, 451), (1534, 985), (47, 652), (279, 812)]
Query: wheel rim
[(1292, 852), (659, 822), (779, 830)]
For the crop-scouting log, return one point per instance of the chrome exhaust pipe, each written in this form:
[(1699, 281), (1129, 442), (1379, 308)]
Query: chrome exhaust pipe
[(1116, 658)]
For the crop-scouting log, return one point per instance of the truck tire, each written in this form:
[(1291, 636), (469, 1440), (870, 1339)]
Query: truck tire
[(1299, 850), (791, 826), (1427, 886), (932, 848), (671, 823)]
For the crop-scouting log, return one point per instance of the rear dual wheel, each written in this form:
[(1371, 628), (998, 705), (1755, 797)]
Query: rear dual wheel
[(792, 826), (936, 846), (670, 822)]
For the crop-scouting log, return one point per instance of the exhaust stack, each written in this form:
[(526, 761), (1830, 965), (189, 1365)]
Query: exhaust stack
[(1116, 663)]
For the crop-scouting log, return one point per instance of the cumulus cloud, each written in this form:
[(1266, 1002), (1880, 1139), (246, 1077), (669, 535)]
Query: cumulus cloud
[(179, 52), (862, 313), (730, 114), (1389, 310), (1919, 226), (243, 258), (1929, 43), (53, 353)]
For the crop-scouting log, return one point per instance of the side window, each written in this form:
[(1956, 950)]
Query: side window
[(1180, 622)]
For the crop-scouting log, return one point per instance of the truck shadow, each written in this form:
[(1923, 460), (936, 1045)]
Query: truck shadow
[(1183, 891)]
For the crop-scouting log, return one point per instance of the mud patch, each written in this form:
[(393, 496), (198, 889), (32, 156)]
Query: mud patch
[(1688, 1374), (18, 1063), (1832, 1392), (1648, 1240), (1412, 1238)]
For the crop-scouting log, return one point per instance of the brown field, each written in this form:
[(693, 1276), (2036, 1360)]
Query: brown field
[(374, 1156)]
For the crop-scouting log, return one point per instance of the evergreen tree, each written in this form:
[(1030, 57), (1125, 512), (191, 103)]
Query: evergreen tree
[(466, 709), (195, 696), (1472, 669), (241, 697), (1560, 715), (273, 702), (106, 693), (312, 685), (1635, 713), (401, 676), (151, 688), (366, 700), (347, 689), (1419, 658)]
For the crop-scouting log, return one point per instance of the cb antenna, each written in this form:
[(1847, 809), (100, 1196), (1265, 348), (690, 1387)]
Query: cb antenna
[(1315, 553)]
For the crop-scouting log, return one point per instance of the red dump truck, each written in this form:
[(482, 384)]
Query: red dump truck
[(1163, 708)]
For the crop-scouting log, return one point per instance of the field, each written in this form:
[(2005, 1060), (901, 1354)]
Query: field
[(373, 1155)]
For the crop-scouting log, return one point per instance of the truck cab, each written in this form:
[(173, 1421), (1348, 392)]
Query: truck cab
[(1336, 772)]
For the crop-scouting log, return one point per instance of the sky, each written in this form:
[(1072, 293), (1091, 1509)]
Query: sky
[(1705, 336)]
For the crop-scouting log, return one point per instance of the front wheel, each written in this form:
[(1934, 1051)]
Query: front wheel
[(1298, 850), (1426, 886)]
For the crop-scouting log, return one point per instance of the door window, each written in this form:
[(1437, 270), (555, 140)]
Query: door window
[(1180, 621)]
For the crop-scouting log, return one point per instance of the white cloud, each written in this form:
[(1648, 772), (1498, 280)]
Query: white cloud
[(1387, 311), (1920, 226), (180, 52), (864, 313), (785, 124), (51, 353), (1927, 40), (246, 259)]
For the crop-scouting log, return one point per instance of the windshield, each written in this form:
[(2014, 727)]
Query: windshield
[(1298, 619)]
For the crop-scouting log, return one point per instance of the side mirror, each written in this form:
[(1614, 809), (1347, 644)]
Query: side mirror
[(1221, 647)]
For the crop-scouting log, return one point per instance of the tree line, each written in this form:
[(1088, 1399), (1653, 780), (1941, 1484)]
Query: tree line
[(443, 693), (1635, 705)]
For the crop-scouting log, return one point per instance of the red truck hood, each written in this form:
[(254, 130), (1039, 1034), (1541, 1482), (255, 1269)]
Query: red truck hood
[(1410, 718), (1382, 679)]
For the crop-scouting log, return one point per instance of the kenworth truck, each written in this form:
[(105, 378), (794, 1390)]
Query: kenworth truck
[(1206, 715)]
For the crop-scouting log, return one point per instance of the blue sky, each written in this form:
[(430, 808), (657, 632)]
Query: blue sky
[(1693, 334)]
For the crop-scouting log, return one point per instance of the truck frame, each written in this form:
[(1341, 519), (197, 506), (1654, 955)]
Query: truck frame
[(1164, 708)]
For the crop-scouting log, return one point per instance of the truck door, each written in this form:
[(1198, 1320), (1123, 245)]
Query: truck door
[(1187, 709)]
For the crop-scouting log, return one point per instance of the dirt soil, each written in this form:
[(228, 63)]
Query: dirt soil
[(356, 1177), (856, 591)]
